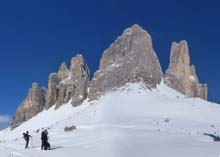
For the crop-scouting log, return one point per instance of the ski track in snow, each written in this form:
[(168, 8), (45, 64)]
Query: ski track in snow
[(131, 121)]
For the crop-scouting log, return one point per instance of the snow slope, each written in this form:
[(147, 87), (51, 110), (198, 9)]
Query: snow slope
[(129, 122)]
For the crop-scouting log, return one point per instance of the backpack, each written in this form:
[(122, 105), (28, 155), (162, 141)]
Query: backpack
[(25, 136)]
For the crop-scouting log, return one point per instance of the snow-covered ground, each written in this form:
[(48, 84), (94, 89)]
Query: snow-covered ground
[(129, 122)]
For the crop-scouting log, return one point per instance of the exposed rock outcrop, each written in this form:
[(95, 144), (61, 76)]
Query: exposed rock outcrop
[(131, 58), (180, 75), (31, 106)]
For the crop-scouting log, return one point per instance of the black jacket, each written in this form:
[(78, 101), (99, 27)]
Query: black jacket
[(26, 136), (44, 136)]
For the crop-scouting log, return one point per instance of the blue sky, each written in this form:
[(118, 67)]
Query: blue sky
[(37, 36)]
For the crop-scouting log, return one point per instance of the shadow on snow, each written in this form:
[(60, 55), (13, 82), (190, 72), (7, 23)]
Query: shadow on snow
[(215, 138)]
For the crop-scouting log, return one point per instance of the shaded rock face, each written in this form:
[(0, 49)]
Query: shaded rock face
[(180, 75), (31, 106), (75, 86), (131, 58)]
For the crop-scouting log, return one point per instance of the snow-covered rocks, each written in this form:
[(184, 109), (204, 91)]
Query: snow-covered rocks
[(70, 128)]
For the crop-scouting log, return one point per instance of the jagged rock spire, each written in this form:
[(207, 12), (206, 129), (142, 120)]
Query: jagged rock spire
[(75, 88), (180, 75)]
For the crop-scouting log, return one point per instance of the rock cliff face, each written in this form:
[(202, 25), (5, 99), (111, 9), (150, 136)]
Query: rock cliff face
[(131, 58), (180, 75), (31, 106)]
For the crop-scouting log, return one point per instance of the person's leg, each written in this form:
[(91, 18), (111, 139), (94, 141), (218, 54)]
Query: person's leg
[(27, 142), (42, 145), (48, 145), (45, 145)]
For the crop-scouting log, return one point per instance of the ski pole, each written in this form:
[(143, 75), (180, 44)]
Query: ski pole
[(31, 143)]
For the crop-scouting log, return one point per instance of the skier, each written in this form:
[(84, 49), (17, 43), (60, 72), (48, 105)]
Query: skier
[(44, 138), (27, 138)]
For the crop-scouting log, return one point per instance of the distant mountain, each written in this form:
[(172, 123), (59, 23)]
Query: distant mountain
[(129, 59)]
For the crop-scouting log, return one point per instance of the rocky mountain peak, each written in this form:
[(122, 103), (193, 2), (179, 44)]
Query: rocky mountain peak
[(135, 29), (131, 58), (34, 85)]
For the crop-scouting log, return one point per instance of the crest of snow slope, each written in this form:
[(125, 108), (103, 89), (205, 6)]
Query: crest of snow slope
[(128, 117)]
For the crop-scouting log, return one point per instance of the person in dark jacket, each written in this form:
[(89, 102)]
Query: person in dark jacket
[(27, 138), (44, 138)]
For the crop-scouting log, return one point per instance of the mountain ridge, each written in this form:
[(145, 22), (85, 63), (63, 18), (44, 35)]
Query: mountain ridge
[(129, 59)]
